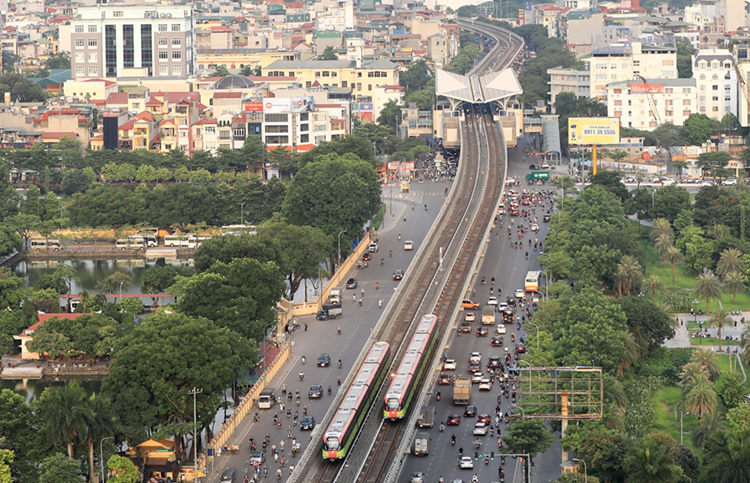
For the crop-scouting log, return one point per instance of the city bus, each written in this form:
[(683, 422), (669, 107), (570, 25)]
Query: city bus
[(178, 240), (532, 281), (238, 230)]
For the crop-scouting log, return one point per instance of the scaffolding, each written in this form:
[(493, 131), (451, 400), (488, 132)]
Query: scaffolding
[(560, 393)]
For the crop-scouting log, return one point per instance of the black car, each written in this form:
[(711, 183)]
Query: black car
[(316, 391), (444, 380), (545, 218), (532, 166), (482, 332), (470, 411), (352, 283), (324, 360), (453, 420), (307, 423), (497, 342), (493, 362)]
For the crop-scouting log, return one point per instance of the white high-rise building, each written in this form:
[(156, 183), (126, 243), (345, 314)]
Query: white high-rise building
[(716, 79), (123, 40)]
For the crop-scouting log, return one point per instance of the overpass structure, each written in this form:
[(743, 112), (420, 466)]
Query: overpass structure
[(497, 87)]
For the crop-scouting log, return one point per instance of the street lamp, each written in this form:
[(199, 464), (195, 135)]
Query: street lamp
[(682, 414), (195, 393), (339, 237), (585, 470), (537, 333), (523, 413), (653, 193), (101, 455), (61, 218), (546, 287), (242, 213), (121, 291)]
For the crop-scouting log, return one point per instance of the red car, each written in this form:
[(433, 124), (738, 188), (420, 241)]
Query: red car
[(482, 332), (520, 349), (483, 418), (444, 380), (367, 257), (453, 420)]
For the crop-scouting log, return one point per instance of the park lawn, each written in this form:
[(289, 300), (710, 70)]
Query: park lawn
[(723, 361), (696, 341), (664, 402)]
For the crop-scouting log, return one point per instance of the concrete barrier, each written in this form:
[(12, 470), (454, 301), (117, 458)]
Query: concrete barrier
[(338, 278)]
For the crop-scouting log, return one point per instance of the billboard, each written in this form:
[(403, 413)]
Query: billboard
[(284, 105), (636, 88), (253, 107), (393, 165), (593, 130)]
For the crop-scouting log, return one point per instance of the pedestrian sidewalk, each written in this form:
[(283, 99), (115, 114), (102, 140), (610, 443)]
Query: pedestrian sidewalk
[(682, 336)]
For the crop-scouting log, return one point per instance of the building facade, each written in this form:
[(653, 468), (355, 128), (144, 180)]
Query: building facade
[(122, 41), (615, 63), (647, 105), (568, 80), (716, 78)]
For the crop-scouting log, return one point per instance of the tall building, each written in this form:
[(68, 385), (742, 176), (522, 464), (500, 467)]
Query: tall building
[(123, 41), (733, 12), (716, 77)]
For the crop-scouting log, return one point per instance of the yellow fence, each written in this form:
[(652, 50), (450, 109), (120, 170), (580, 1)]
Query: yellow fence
[(348, 264)]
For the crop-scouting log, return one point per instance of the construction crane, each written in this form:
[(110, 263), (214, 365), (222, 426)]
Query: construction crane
[(654, 112)]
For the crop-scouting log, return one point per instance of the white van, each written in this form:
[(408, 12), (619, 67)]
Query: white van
[(147, 240), (130, 243), (39, 244), (195, 241)]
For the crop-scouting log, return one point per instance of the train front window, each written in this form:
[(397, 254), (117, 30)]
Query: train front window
[(393, 404), (332, 444)]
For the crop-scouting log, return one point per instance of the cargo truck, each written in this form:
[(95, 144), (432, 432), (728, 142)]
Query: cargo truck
[(330, 311), (422, 444), (426, 417), (462, 391), (488, 315), (335, 295)]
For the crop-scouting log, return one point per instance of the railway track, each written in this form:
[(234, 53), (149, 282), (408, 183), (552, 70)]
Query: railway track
[(479, 182)]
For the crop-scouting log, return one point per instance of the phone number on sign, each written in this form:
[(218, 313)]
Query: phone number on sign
[(599, 132)]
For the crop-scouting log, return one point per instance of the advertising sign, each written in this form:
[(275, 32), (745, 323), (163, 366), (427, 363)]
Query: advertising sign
[(593, 130), (646, 88), (408, 165), (253, 107), (393, 165), (282, 105)]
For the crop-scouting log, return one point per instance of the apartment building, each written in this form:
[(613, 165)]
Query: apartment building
[(622, 62), (132, 41), (716, 78), (647, 105), (568, 80)]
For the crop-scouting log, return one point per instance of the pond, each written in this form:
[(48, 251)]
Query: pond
[(31, 389)]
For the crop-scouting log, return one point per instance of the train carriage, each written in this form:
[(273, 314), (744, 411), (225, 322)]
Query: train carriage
[(403, 383), (350, 415)]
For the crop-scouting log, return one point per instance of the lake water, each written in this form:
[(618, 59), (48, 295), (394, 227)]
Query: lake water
[(31, 389)]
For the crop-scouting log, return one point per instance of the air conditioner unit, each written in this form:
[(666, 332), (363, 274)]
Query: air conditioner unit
[(164, 15)]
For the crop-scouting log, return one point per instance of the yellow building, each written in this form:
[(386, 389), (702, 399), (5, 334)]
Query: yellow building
[(210, 59)]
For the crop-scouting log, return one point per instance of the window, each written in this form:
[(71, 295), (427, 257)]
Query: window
[(163, 55), (308, 84), (210, 130), (686, 102), (600, 76), (162, 27), (163, 69), (702, 77), (703, 87), (79, 29), (93, 42), (93, 57), (369, 87), (618, 103), (117, 13), (702, 98), (239, 132), (163, 43), (304, 127), (686, 113), (177, 69), (175, 27), (80, 57), (668, 102), (667, 62), (326, 73), (668, 90), (80, 71), (344, 84), (80, 43), (715, 108), (93, 70), (92, 29), (176, 55), (304, 116), (277, 129), (176, 42), (304, 138), (715, 77), (715, 98), (277, 117), (728, 87)]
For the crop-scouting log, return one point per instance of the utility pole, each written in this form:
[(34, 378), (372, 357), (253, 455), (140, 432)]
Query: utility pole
[(194, 391)]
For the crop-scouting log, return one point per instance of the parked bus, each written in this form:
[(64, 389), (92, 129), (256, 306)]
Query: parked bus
[(238, 230), (130, 243), (532, 281), (195, 241), (39, 244), (178, 240), (147, 240)]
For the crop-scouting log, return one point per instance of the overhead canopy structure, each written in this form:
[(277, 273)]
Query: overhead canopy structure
[(495, 86)]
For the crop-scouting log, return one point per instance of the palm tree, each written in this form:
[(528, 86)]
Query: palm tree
[(100, 421), (662, 243), (726, 460), (711, 423), (745, 344), (735, 283), (661, 226), (632, 352), (673, 257), (730, 260), (620, 279), (633, 274), (650, 462), (652, 285), (718, 319), (64, 413), (701, 398), (691, 372), (708, 289), (708, 361)]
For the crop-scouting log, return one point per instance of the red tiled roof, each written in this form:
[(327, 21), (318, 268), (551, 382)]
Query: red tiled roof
[(127, 126), (107, 83), (58, 135), (397, 87), (227, 95), (98, 102), (45, 317), (118, 98), (220, 30), (205, 121), (145, 116), (154, 102)]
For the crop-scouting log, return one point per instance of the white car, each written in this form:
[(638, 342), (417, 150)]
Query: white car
[(485, 385), (499, 329), (503, 306), (449, 365), (730, 182), (667, 182), (466, 463), (475, 358), (408, 245), (480, 429), (545, 165), (470, 317), (477, 377), (520, 293), (534, 227), (492, 301)]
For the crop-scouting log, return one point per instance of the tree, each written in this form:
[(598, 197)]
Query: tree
[(652, 285), (730, 390), (718, 319), (20, 433), (158, 279), (730, 260), (390, 116), (601, 448), (25, 226), (707, 359), (21, 88), (709, 424), (112, 283), (738, 417), (75, 181), (708, 288), (415, 77), (328, 54), (100, 422), (631, 269), (651, 462), (149, 393), (528, 436), (60, 60), (662, 244), (668, 202), (59, 469), (122, 470), (661, 227), (649, 324), (726, 457), (734, 282), (698, 128), (685, 51), (64, 413), (6, 460), (701, 397)]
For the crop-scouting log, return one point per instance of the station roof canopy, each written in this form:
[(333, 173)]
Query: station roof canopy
[(490, 87)]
